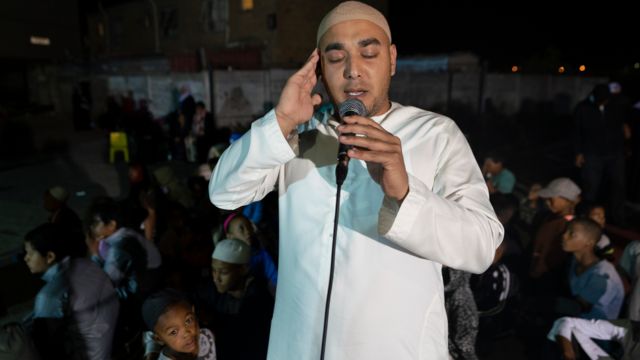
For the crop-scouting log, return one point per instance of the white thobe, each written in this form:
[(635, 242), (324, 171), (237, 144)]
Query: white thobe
[(387, 300)]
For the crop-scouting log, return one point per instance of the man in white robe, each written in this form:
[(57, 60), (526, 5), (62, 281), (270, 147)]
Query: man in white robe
[(414, 199)]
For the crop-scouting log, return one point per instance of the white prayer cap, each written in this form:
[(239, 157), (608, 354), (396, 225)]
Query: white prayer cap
[(232, 251), (352, 10)]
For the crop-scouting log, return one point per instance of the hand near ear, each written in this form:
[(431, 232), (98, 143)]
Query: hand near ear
[(296, 102)]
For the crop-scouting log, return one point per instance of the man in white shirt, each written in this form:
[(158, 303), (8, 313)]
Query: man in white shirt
[(414, 199)]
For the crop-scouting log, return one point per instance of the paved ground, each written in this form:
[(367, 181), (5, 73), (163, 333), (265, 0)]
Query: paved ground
[(75, 160)]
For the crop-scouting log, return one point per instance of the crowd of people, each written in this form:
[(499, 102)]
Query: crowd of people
[(163, 273)]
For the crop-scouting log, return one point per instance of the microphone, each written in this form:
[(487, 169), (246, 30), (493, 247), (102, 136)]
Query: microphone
[(348, 108)]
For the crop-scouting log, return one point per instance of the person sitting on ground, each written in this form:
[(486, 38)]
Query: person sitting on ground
[(595, 284), (604, 248), (239, 305), (239, 227), (494, 293), (548, 259), (499, 179), (75, 312), (130, 260), (174, 329)]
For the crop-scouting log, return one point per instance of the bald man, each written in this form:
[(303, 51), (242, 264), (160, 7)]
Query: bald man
[(414, 200)]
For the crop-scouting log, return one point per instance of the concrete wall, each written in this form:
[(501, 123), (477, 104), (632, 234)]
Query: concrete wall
[(284, 29), (240, 96)]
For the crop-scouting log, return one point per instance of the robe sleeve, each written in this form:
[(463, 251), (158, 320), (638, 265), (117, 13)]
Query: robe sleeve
[(453, 223), (249, 168)]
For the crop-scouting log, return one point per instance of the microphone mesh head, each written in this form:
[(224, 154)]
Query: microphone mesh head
[(352, 107)]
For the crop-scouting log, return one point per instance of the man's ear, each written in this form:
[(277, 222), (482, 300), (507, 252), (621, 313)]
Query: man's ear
[(50, 258), (319, 68), (393, 55)]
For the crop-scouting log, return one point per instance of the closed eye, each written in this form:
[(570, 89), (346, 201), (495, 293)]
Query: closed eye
[(335, 56)]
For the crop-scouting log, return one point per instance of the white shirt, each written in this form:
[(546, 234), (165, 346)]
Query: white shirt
[(387, 300), (585, 331)]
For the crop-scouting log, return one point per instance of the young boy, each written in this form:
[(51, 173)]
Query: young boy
[(74, 314), (239, 305), (595, 284), (130, 260), (548, 259), (173, 321), (499, 179)]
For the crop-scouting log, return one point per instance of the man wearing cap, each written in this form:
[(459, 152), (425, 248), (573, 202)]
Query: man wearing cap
[(414, 199)]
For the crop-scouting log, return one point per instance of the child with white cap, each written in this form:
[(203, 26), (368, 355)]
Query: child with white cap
[(240, 306)]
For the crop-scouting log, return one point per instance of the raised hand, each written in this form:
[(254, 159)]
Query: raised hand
[(376, 145), (296, 102)]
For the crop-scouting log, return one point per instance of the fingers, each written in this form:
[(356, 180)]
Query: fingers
[(369, 131), (371, 144), (381, 157), (316, 99), (361, 120)]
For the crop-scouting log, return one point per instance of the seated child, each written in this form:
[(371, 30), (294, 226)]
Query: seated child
[(595, 284), (499, 179), (174, 325), (239, 304), (75, 312), (548, 259), (604, 248)]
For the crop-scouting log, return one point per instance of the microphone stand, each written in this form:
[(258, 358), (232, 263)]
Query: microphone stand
[(342, 169)]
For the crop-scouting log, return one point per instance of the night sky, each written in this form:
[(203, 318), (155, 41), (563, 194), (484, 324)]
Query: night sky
[(535, 32)]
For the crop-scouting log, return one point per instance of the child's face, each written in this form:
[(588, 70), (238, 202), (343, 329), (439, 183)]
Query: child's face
[(100, 230), (240, 229), (36, 262), (490, 166), (178, 329), (575, 240), (597, 214), (559, 205), (227, 277)]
